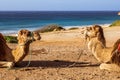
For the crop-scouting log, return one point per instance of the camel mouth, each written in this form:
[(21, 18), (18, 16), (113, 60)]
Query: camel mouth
[(91, 34), (88, 31), (30, 37), (82, 32)]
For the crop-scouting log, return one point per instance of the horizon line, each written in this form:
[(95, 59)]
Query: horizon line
[(53, 10)]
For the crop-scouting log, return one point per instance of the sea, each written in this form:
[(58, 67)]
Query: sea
[(13, 21)]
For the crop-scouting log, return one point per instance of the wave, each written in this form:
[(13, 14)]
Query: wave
[(15, 31), (103, 25)]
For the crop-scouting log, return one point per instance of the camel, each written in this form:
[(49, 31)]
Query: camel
[(109, 57), (36, 36), (8, 57)]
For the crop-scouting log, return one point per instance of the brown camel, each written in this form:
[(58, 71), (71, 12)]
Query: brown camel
[(9, 57), (109, 57)]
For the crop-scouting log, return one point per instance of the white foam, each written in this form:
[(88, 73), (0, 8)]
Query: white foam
[(103, 25)]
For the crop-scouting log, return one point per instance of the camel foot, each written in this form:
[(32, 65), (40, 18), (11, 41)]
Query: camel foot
[(10, 65)]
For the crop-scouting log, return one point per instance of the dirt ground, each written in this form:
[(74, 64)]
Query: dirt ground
[(62, 56)]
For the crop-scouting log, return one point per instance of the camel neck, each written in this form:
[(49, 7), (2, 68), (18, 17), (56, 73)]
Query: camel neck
[(21, 51)]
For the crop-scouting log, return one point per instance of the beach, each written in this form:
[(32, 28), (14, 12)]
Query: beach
[(54, 55)]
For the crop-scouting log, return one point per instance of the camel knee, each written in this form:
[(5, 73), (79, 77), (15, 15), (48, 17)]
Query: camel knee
[(110, 67), (103, 66), (4, 64), (10, 64)]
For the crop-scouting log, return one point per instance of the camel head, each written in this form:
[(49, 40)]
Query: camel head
[(36, 35), (91, 32), (25, 37), (94, 31)]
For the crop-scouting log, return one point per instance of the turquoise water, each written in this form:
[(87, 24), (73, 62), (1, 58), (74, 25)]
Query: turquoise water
[(11, 22)]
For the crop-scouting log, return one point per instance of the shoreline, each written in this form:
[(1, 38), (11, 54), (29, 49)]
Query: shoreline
[(14, 32), (103, 25)]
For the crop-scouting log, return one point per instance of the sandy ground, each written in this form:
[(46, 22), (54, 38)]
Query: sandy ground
[(57, 57)]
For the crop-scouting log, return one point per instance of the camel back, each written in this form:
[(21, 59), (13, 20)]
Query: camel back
[(2, 46)]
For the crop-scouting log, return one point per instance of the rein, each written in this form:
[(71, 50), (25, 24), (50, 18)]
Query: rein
[(30, 52)]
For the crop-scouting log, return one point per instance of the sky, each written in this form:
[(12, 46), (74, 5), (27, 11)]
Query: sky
[(59, 5)]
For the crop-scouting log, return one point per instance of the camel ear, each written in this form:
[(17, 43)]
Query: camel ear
[(89, 28), (93, 27), (19, 34)]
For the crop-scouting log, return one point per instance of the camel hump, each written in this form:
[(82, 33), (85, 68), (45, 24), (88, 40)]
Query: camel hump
[(116, 46), (115, 58), (2, 47), (2, 39)]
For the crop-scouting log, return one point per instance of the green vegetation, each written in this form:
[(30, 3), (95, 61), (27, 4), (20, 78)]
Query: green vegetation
[(11, 39), (73, 28), (116, 23), (49, 28)]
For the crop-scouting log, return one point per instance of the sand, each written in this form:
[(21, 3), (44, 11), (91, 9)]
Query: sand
[(53, 55)]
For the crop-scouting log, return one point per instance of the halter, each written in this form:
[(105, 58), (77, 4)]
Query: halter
[(31, 35)]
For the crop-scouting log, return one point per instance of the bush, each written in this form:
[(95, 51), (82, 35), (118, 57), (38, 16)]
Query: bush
[(11, 39), (116, 23), (73, 28), (50, 28)]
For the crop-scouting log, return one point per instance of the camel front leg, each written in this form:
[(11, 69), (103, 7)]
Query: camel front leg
[(4, 64)]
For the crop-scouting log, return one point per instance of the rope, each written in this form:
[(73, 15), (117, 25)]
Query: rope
[(29, 61), (79, 56)]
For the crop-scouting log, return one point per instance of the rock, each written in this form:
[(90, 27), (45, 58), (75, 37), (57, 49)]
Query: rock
[(50, 28)]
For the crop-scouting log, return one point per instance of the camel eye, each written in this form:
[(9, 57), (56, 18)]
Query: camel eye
[(29, 34)]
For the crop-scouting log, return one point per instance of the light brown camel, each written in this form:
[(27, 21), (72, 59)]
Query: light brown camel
[(109, 57), (9, 57)]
